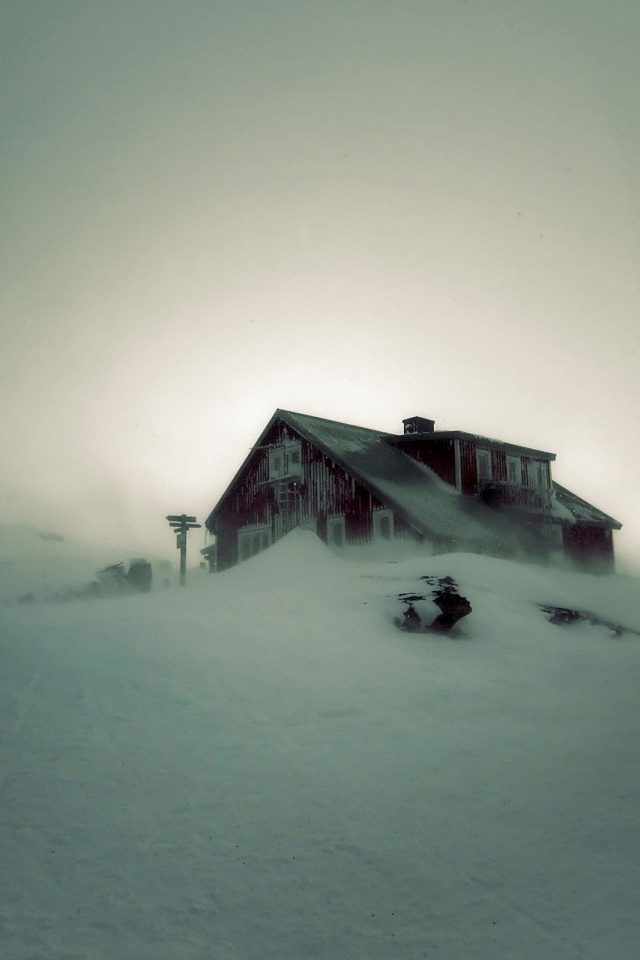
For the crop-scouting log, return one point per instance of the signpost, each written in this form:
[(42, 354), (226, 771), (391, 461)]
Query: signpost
[(181, 524)]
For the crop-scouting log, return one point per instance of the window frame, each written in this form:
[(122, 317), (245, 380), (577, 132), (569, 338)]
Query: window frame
[(250, 538)]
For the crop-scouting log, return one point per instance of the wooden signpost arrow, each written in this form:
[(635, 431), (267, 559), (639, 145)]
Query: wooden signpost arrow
[(181, 524)]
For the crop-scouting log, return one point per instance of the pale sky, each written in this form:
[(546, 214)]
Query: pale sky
[(357, 209)]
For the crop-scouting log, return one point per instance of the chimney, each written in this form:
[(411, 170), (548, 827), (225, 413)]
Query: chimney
[(418, 425)]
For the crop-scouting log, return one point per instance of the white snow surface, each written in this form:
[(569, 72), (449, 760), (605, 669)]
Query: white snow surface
[(261, 766)]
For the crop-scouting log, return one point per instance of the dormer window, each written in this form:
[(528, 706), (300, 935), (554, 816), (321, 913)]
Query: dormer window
[(514, 471), (534, 473)]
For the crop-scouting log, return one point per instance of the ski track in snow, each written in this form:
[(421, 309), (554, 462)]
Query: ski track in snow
[(262, 766)]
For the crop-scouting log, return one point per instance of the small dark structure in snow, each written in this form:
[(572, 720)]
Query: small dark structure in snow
[(140, 575), (448, 489), (114, 578)]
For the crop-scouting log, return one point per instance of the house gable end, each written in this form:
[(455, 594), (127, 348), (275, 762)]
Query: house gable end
[(348, 443), (219, 507)]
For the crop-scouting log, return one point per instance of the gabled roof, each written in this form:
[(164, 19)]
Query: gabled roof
[(412, 490)]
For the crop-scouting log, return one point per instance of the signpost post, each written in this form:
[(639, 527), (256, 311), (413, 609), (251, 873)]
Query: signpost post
[(181, 524)]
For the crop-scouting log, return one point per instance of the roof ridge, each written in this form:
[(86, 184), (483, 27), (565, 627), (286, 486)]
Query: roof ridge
[(339, 423)]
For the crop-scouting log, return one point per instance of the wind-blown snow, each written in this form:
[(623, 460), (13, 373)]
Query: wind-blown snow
[(262, 766), (40, 565)]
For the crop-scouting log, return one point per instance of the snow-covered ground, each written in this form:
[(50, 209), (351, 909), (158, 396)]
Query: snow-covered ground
[(262, 767)]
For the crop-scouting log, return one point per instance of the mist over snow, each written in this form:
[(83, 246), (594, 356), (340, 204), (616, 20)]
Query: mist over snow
[(263, 765), (360, 211), (41, 565)]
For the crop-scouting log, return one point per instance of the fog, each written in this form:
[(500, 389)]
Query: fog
[(362, 211)]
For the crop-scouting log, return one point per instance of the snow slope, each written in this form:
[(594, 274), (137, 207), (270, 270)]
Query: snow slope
[(262, 766)]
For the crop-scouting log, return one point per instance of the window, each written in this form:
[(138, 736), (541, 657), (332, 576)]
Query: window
[(252, 541), (293, 452), (483, 460), (285, 461), (276, 463), (336, 532), (534, 473), (385, 528), (383, 524), (514, 470)]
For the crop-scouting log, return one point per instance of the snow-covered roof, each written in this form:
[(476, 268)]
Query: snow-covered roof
[(515, 448), (570, 506), (414, 492)]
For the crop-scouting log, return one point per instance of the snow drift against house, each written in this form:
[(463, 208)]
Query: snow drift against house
[(262, 765)]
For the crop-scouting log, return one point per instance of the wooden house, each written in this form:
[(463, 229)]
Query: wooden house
[(447, 489)]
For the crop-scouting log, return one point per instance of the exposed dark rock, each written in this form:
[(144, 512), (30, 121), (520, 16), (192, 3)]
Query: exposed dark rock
[(445, 596), (565, 615), (562, 615), (453, 606), (410, 619), (442, 583), (411, 597)]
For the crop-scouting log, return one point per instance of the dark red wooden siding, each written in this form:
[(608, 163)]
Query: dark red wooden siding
[(468, 468), (591, 546), (498, 464), (324, 490)]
